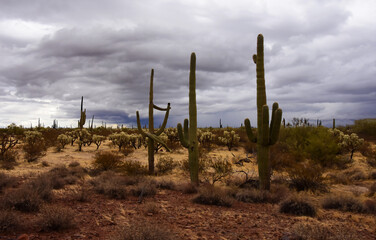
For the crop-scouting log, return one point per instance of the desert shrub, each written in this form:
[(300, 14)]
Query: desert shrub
[(74, 164), (23, 199), (297, 205), (134, 167), (320, 231), (107, 160), (187, 188), (280, 157), (355, 174), (151, 208), (56, 218), (165, 165), (82, 194), (217, 169), (34, 145), (9, 159), (366, 149), (7, 181), (343, 202), (275, 195), (165, 184), (372, 175), (111, 185), (9, 221), (365, 127), (143, 231), (306, 176), (210, 195), (41, 185), (145, 188)]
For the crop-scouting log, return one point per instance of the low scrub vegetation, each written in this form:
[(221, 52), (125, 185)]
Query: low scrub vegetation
[(299, 206), (210, 195)]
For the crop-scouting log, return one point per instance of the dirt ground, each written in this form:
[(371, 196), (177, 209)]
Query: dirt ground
[(100, 217)]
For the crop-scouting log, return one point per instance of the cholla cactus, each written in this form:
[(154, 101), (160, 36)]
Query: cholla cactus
[(83, 137), (172, 134), (64, 139), (34, 145), (230, 139), (136, 140), (98, 139), (347, 142), (205, 138), (120, 139)]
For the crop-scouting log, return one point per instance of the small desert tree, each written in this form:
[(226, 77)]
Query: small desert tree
[(34, 145), (64, 140), (98, 139)]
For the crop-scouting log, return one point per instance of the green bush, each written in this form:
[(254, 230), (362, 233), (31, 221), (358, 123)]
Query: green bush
[(34, 145), (365, 127)]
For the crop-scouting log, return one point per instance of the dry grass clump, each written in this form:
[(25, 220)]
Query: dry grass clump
[(343, 202), (165, 184), (144, 231), (74, 164), (306, 176), (24, 199), (82, 194), (151, 208), (355, 174), (320, 231), (298, 205), (210, 195), (9, 221), (275, 195), (9, 159), (56, 218), (133, 167)]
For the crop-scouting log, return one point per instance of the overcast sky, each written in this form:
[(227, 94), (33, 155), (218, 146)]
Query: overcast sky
[(320, 59)]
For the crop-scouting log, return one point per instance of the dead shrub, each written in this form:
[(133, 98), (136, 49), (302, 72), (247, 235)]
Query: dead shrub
[(188, 188), (9, 221), (41, 185), (355, 174), (319, 231), (145, 188), (144, 231), (165, 165), (133, 167), (151, 208), (9, 159), (81, 194), (343, 202), (306, 176), (110, 185), (298, 206), (275, 195), (56, 218), (7, 181), (24, 199), (210, 195), (107, 160)]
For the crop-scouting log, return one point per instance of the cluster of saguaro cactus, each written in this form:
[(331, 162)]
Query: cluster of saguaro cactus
[(188, 137), (267, 135), (153, 135)]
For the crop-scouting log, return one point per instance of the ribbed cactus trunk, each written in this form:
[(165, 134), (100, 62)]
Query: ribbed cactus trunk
[(267, 135), (151, 135), (188, 138), (81, 124)]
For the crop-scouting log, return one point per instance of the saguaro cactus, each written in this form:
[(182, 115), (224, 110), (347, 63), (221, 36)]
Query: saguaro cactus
[(188, 138), (82, 120), (151, 135), (267, 135)]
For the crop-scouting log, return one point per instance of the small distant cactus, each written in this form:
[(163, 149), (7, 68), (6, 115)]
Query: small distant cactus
[(82, 120), (230, 139)]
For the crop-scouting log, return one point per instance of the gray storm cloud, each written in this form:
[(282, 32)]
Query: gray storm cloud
[(319, 55)]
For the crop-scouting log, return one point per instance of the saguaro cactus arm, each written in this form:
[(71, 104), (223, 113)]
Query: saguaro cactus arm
[(162, 128), (183, 137), (248, 129)]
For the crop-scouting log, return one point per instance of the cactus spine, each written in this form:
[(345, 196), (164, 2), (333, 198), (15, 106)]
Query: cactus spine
[(82, 120), (188, 138), (151, 135), (266, 135)]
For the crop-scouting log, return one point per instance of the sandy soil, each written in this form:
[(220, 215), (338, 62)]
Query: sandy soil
[(100, 217)]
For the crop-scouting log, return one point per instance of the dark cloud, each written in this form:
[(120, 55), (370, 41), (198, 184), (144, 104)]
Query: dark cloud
[(319, 59)]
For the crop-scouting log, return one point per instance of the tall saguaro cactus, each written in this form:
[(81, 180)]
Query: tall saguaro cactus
[(267, 135), (188, 138), (82, 120), (151, 135)]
